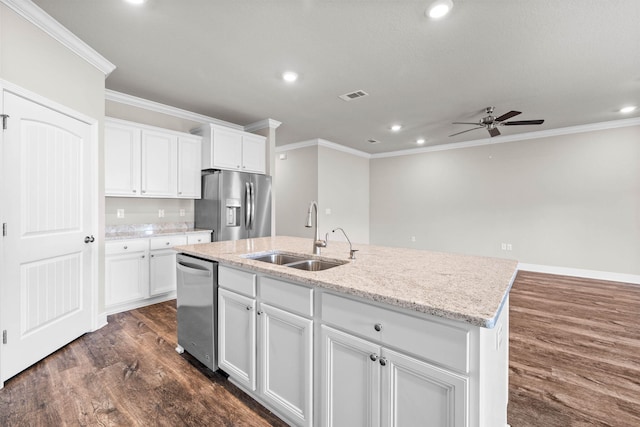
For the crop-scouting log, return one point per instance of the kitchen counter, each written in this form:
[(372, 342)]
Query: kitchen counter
[(141, 231), (466, 288)]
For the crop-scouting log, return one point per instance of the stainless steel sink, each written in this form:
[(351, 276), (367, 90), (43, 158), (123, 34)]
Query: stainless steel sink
[(301, 262), (314, 265), (279, 258)]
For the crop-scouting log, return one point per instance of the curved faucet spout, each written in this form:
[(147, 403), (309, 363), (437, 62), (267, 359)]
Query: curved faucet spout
[(317, 243), (352, 252)]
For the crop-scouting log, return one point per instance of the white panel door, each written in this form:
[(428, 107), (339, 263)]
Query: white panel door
[(159, 164), (350, 380), (47, 278), (286, 367), (416, 393)]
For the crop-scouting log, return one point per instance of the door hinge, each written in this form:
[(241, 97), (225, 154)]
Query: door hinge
[(4, 228), (4, 121), (4, 336)]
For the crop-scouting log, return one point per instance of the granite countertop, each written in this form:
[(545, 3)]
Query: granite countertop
[(466, 288), (140, 231)]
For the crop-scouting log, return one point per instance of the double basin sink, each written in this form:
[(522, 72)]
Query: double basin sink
[(301, 262)]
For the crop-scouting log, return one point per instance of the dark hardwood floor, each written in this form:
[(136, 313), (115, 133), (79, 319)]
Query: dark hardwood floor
[(574, 352), (574, 361)]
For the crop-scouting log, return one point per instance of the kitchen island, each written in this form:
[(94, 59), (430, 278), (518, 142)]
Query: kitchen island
[(394, 337)]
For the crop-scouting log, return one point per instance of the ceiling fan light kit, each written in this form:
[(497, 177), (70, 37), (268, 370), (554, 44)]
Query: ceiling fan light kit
[(491, 123)]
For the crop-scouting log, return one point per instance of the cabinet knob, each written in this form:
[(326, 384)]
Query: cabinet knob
[(373, 357), (152, 256), (134, 191), (248, 307), (144, 191), (259, 313), (126, 247), (383, 361), (179, 192), (377, 327), (168, 243), (142, 256), (238, 166)]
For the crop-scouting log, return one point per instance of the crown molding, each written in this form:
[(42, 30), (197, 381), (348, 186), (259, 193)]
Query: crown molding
[(38, 17), (262, 124), (134, 101), (318, 142), (634, 121)]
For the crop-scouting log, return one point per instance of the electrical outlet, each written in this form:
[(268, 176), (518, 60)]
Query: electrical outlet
[(182, 212), (509, 247), (327, 211), (160, 213), (504, 246), (413, 238), (120, 213)]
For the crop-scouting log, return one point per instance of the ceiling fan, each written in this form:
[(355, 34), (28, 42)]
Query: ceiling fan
[(491, 123)]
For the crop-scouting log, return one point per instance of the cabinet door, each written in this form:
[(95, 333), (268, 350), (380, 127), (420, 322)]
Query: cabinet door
[(286, 367), (126, 277), (253, 153), (414, 392), (237, 337), (159, 164), (121, 160), (227, 149), (350, 380), (189, 176), (162, 271)]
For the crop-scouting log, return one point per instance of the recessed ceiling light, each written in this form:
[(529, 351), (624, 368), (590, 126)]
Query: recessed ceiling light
[(396, 128), (136, 2), (439, 8), (289, 76), (629, 109), (420, 141)]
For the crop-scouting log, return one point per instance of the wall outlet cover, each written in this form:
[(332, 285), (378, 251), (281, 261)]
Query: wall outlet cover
[(120, 213)]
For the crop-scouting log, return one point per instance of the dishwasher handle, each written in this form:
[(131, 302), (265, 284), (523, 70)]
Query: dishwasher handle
[(193, 269)]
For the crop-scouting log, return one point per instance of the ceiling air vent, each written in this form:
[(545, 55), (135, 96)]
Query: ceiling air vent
[(353, 95), (373, 141)]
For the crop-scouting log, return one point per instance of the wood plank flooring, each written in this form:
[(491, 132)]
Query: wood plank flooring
[(574, 352), (127, 374), (574, 361)]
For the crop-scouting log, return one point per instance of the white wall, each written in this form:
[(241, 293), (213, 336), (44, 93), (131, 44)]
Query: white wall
[(337, 180), (569, 201)]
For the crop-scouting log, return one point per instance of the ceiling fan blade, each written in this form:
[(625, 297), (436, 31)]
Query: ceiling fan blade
[(508, 115), (466, 123), (523, 122), (493, 132), (479, 127)]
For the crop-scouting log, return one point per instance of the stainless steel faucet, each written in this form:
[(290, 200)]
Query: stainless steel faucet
[(317, 243), (352, 252)]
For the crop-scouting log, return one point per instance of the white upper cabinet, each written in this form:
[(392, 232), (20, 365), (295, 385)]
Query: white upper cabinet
[(159, 164), (122, 160), (189, 180), (145, 161), (226, 148)]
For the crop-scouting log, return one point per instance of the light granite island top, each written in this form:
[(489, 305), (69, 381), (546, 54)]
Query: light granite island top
[(466, 288)]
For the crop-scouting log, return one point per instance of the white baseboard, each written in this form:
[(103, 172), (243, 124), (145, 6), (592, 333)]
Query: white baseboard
[(577, 272), (139, 303)]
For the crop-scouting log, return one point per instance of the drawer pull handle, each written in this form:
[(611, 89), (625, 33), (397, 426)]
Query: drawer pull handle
[(377, 327), (383, 361), (373, 357)]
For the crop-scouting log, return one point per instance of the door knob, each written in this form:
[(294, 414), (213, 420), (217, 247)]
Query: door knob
[(89, 239)]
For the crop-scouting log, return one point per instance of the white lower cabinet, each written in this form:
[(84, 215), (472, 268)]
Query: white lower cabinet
[(365, 384), (237, 337), (262, 322), (162, 264), (286, 362), (126, 271)]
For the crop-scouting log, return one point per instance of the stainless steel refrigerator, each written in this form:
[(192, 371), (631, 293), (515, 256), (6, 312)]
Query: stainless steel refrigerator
[(235, 205)]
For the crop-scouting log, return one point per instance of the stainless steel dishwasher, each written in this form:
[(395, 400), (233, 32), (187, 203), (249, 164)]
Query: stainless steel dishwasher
[(197, 296)]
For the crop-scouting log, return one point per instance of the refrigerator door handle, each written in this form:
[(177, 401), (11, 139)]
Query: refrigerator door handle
[(247, 205), (253, 206)]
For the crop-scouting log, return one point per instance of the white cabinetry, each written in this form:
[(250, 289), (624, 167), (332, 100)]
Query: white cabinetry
[(273, 322), (226, 148), (145, 161), (367, 383), (195, 238), (162, 264), (126, 271)]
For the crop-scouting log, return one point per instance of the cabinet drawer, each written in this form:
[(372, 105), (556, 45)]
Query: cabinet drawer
[(444, 344), (167, 242), (291, 297), (124, 246), (238, 281), (193, 239)]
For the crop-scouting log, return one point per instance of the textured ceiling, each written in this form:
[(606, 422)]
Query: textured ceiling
[(569, 62)]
